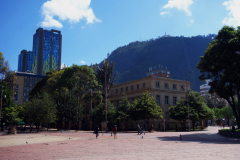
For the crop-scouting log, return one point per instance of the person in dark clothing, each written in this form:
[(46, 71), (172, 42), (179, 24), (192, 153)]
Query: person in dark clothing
[(96, 131), (151, 128), (233, 130), (139, 129), (115, 131)]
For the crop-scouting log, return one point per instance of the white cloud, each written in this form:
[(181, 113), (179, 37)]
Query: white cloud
[(163, 13), (72, 10), (182, 5), (191, 21), (50, 22), (82, 62), (233, 18)]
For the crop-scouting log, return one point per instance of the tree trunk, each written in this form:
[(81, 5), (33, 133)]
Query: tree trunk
[(193, 123), (184, 125)]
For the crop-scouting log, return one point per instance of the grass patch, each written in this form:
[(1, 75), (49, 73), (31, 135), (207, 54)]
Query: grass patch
[(229, 129), (173, 130)]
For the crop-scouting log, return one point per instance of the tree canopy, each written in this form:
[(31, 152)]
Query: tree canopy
[(105, 75), (146, 108), (198, 109), (221, 64), (67, 88)]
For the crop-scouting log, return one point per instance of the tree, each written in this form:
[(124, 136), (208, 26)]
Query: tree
[(224, 112), (146, 108), (198, 110), (68, 87), (123, 111), (105, 75), (4, 66), (221, 64), (79, 80), (180, 113), (39, 110), (9, 110), (97, 114)]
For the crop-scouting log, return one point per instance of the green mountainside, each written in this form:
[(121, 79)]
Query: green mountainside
[(179, 54)]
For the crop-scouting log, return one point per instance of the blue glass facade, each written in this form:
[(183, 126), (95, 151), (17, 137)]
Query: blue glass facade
[(46, 51), (35, 52), (55, 51), (29, 61), (20, 62), (25, 61)]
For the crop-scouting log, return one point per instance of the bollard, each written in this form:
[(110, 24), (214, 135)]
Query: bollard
[(180, 137), (111, 133)]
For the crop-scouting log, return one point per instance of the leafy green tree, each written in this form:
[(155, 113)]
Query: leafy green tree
[(224, 112), (4, 66), (123, 111), (198, 110), (40, 110), (9, 112), (146, 108), (180, 113), (220, 63), (42, 85), (68, 88), (97, 114), (79, 80)]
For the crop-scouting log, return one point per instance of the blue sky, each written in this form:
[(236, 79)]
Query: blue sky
[(92, 28)]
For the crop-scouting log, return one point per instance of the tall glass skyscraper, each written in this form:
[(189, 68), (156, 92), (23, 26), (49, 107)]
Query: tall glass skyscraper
[(47, 47), (25, 61)]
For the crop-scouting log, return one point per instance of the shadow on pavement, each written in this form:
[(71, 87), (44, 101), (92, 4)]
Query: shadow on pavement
[(201, 138)]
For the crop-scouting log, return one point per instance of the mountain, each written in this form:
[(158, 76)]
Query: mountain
[(179, 54)]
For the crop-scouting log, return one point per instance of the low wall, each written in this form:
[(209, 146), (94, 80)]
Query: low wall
[(229, 133)]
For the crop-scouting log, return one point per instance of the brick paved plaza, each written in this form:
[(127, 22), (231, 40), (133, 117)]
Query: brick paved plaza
[(83, 145)]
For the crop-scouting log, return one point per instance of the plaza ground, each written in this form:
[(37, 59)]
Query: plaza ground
[(207, 144)]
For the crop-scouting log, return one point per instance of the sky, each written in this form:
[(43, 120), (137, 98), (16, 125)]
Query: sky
[(93, 28)]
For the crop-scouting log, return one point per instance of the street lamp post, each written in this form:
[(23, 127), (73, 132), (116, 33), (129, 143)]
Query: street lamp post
[(187, 101)]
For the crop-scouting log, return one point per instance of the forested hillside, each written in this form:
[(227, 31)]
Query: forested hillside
[(179, 54)]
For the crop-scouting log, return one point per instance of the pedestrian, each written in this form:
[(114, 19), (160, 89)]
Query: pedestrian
[(141, 131), (96, 131), (233, 130), (115, 131), (139, 128), (151, 128)]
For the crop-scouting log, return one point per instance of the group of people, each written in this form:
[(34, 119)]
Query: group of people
[(114, 130)]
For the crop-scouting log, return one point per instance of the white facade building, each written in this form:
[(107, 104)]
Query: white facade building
[(205, 88)]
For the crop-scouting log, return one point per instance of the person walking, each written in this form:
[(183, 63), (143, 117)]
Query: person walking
[(151, 128), (233, 130), (96, 131), (139, 129), (115, 131)]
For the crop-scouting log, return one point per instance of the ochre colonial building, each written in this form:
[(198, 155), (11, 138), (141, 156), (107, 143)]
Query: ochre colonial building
[(165, 90)]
